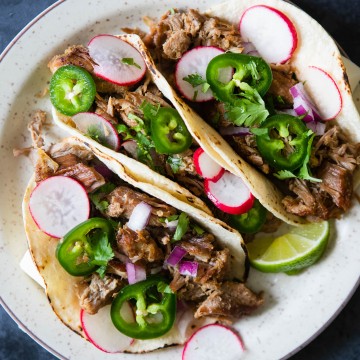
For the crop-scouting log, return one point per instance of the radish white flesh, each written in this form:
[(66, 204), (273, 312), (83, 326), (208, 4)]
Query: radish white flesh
[(101, 332), (117, 61), (58, 204), (229, 194), (270, 31), (195, 62), (98, 128), (224, 341), (324, 91), (206, 166)]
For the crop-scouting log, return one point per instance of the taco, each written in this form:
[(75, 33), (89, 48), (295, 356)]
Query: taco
[(135, 113), (87, 267), (305, 174)]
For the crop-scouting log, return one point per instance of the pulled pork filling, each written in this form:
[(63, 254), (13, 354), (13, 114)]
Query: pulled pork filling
[(211, 293), (333, 158)]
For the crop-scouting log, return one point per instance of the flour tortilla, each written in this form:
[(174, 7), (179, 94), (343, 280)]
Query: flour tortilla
[(62, 289)]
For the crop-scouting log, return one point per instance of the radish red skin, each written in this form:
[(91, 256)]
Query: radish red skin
[(233, 210), (288, 22), (188, 342), (198, 152)]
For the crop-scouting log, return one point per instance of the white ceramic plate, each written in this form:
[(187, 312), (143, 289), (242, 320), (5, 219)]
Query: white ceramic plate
[(297, 308)]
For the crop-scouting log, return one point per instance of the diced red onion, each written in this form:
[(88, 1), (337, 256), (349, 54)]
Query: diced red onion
[(189, 268), (140, 216), (250, 49), (234, 130), (175, 256), (135, 273), (130, 147), (302, 103), (317, 127)]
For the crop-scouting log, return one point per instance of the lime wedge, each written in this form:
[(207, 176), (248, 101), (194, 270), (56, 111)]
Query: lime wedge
[(298, 248)]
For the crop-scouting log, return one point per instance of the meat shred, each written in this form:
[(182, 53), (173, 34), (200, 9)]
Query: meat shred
[(86, 175), (122, 201), (230, 301), (283, 80), (334, 160), (99, 292), (138, 245), (176, 32)]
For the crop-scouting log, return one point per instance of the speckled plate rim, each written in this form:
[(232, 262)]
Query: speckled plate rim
[(22, 324)]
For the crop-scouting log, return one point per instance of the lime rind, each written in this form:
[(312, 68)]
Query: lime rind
[(299, 248)]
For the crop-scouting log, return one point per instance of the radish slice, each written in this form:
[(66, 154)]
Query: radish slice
[(98, 128), (101, 332), (206, 167), (58, 204), (130, 147), (223, 341), (116, 60), (324, 91), (270, 31), (229, 194), (195, 62)]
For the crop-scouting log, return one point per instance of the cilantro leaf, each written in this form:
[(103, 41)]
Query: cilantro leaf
[(304, 172), (194, 79), (149, 110), (182, 227), (249, 109), (172, 218), (93, 132), (124, 131), (101, 270), (102, 252), (261, 132), (174, 162), (97, 197), (130, 62), (197, 229), (284, 174)]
